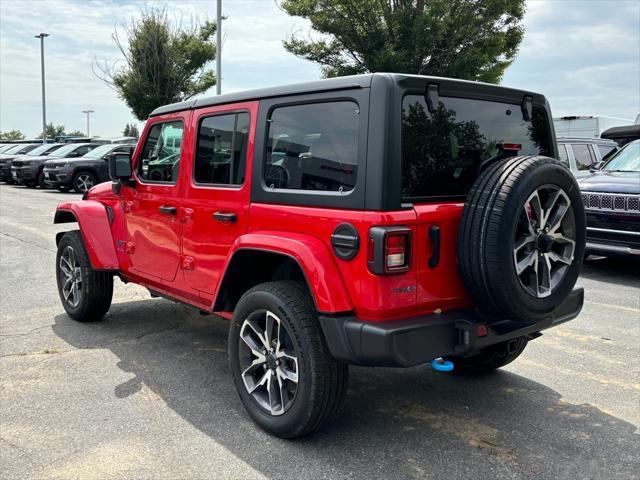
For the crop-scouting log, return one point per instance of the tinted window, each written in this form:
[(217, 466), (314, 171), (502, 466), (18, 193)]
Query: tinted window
[(221, 153), (562, 154), (313, 147), (584, 157), (606, 150), (442, 152), (160, 158)]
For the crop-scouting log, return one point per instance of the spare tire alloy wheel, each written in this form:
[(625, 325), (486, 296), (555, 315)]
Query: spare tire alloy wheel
[(268, 362), (544, 240)]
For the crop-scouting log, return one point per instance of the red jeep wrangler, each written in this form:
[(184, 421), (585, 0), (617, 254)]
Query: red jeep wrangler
[(382, 220)]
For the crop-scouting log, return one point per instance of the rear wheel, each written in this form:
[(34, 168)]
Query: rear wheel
[(85, 293), (285, 376), (490, 358), (83, 181)]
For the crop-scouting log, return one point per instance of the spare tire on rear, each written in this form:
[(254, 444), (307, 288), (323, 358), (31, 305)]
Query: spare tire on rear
[(521, 238)]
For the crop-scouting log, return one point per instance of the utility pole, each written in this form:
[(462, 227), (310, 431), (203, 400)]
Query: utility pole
[(219, 49), (88, 112), (44, 108)]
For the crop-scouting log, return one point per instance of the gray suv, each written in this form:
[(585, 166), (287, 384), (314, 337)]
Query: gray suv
[(581, 154)]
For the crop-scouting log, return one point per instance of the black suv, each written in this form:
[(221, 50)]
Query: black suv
[(29, 170), (7, 157), (611, 198), (80, 174)]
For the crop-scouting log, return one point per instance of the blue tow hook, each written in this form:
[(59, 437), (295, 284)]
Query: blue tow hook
[(440, 365)]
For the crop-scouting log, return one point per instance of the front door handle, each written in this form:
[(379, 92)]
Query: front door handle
[(434, 236), (168, 209), (226, 217)]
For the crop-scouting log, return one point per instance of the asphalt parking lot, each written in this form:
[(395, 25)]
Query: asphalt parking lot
[(146, 394)]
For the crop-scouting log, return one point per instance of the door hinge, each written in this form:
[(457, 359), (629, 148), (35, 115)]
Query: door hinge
[(129, 248), (188, 263)]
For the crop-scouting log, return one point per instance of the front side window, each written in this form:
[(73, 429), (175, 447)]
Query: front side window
[(160, 158), (582, 154), (443, 151), (605, 150), (221, 153), (313, 147)]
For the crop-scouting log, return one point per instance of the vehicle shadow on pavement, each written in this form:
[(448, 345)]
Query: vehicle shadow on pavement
[(396, 423), (621, 271)]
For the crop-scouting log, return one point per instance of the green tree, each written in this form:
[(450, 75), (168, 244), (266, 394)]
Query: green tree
[(76, 133), (11, 136), (163, 62), (469, 39), (53, 131), (130, 130)]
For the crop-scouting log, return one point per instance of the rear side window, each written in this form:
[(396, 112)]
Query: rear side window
[(313, 147), (221, 154), (160, 158), (442, 152), (605, 150), (583, 155), (562, 154)]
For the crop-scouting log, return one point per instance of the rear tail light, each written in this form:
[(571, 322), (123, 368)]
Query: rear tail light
[(509, 147), (389, 250)]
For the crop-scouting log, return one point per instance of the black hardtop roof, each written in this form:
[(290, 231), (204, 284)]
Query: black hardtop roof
[(327, 84)]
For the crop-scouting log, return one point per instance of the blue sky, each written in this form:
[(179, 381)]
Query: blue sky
[(583, 54)]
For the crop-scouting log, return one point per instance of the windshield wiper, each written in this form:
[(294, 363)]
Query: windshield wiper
[(624, 171)]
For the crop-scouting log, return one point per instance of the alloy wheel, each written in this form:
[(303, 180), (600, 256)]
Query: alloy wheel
[(71, 276), (268, 362), (544, 240), (84, 182)]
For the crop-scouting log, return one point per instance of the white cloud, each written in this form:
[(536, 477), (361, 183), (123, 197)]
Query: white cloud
[(582, 54)]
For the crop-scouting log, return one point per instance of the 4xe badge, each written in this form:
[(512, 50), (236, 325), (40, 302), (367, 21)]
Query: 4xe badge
[(401, 290)]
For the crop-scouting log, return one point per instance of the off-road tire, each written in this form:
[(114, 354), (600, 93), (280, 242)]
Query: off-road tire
[(487, 233), (97, 287), (322, 381), (489, 358)]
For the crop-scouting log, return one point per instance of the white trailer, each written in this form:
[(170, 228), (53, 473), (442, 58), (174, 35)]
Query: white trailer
[(586, 126)]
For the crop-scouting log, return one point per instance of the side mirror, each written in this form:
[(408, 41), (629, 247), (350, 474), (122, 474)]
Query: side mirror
[(119, 169), (120, 166), (596, 166)]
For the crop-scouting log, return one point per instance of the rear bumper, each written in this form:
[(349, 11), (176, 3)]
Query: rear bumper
[(418, 340)]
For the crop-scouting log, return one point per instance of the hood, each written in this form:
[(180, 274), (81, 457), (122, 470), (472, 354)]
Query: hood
[(613, 182), (4, 158)]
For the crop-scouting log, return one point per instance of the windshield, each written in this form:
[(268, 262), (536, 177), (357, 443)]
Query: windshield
[(41, 150), (626, 160), (64, 151), (4, 148), (99, 152), (14, 149)]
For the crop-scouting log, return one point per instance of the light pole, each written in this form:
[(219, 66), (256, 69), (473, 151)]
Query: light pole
[(88, 112), (44, 108), (219, 48)]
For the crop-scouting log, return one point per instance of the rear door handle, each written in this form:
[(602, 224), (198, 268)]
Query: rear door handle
[(168, 209), (434, 236), (226, 217)]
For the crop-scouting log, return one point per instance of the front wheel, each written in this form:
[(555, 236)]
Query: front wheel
[(83, 182), (85, 293), (285, 376)]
